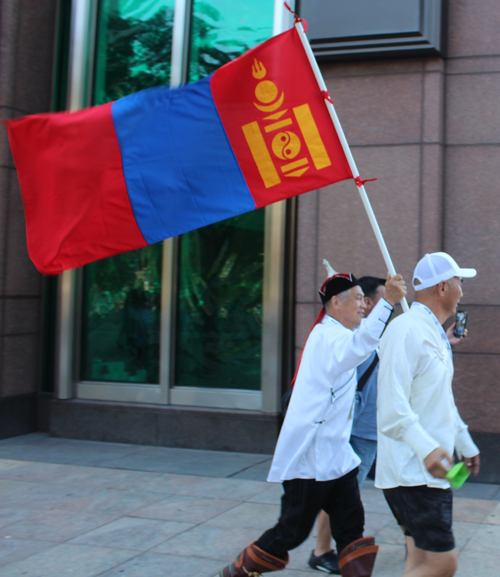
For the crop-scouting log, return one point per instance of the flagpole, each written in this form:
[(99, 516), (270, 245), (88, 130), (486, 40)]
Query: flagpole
[(352, 164)]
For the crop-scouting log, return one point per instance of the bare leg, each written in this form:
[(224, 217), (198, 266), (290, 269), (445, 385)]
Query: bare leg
[(414, 556), (324, 538), (421, 563)]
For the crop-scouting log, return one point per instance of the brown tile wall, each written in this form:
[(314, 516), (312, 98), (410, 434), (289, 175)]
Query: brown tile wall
[(27, 32), (392, 114), (429, 129), (472, 200)]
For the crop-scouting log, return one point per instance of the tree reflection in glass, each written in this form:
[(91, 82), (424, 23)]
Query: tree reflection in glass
[(121, 295), (219, 304)]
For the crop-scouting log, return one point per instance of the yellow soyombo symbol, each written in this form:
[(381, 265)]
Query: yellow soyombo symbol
[(286, 144), (258, 70), (266, 91), (271, 107)]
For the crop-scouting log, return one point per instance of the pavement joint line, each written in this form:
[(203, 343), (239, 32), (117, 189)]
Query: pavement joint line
[(107, 570), (246, 468)]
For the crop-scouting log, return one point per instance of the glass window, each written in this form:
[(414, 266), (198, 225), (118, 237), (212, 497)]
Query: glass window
[(219, 303), (220, 268), (134, 47), (222, 30), (121, 318), (121, 295), (219, 315)]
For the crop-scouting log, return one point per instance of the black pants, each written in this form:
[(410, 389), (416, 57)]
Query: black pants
[(300, 505)]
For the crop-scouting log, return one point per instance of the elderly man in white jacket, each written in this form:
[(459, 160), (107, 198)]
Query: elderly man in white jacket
[(418, 423), (313, 457)]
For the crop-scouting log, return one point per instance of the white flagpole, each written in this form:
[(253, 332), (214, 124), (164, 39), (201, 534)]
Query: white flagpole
[(350, 159)]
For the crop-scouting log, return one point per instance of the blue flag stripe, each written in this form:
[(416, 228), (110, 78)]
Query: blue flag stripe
[(180, 170)]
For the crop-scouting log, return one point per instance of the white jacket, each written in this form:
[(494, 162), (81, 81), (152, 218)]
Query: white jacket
[(314, 439), (415, 407)]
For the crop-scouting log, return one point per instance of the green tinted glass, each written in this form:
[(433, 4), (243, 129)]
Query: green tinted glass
[(219, 306), (121, 318), (134, 47), (223, 30), (121, 295), (219, 315)]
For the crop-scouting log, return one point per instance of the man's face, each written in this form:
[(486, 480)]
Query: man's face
[(351, 310), (453, 295), (371, 302)]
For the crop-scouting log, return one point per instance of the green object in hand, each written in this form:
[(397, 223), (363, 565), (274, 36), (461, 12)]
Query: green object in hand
[(458, 475)]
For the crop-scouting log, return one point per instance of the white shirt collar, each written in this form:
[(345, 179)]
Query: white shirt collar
[(438, 325), (328, 318)]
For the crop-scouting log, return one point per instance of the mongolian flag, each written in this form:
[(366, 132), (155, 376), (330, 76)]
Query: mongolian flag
[(160, 162)]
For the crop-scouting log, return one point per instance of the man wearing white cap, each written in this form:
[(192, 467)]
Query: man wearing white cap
[(418, 423)]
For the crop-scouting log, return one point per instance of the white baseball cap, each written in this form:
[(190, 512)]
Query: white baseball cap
[(437, 267)]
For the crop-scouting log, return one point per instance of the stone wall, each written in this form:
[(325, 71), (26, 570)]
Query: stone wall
[(27, 32), (472, 199)]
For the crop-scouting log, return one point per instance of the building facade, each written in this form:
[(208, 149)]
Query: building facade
[(191, 342)]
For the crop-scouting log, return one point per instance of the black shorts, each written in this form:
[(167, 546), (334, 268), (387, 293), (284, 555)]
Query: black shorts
[(425, 513)]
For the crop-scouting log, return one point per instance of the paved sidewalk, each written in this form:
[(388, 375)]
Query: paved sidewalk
[(84, 509)]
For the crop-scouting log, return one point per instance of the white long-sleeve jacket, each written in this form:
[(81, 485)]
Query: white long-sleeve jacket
[(415, 406), (314, 439)]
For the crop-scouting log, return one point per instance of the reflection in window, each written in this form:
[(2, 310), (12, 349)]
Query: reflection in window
[(133, 47), (121, 295), (219, 317), (121, 318), (222, 30)]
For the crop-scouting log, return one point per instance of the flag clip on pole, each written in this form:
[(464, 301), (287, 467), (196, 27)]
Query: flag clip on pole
[(347, 151)]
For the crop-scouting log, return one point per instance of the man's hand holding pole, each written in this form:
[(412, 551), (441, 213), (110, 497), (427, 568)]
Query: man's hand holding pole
[(395, 289)]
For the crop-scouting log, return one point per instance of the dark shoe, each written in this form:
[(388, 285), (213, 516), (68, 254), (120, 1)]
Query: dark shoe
[(358, 558), (253, 561), (328, 562)]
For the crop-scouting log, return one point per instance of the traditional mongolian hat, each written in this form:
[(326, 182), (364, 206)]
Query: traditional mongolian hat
[(335, 284)]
